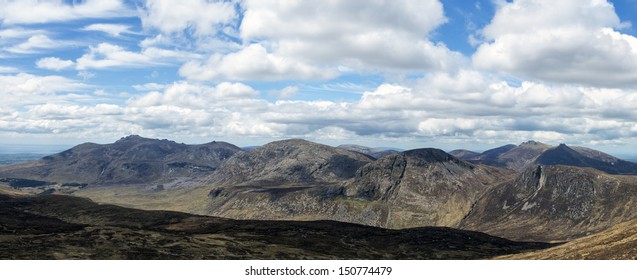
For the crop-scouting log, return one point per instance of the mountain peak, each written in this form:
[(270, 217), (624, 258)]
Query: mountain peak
[(132, 137), (565, 155), (430, 155), (530, 142)]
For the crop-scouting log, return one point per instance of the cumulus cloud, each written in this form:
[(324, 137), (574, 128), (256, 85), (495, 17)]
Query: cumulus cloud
[(43, 11), (502, 113), (54, 63), (200, 17), (253, 63), (381, 34), (114, 30), (25, 89), (573, 65), (188, 95), (571, 41), (313, 40), (37, 43)]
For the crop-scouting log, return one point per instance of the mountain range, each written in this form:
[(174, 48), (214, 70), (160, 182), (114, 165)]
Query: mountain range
[(532, 153), (530, 192), (130, 160)]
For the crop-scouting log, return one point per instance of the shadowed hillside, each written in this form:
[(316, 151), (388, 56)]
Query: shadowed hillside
[(63, 227)]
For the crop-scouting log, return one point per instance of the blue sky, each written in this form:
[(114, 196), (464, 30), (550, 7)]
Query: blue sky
[(426, 73)]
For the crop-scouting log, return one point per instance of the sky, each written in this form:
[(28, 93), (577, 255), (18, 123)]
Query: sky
[(393, 73)]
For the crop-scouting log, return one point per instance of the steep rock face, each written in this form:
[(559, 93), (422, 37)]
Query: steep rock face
[(130, 160), (289, 162), (554, 203), (289, 180), (423, 187)]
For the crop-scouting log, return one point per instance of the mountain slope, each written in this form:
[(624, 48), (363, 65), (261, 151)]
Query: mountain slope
[(289, 162), (425, 187), (555, 203), (512, 156), (531, 153), (131, 160), (616, 243), (63, 227), (565, 155)]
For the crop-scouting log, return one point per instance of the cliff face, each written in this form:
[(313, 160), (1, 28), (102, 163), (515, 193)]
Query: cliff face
[(554, 203), (424, 186)]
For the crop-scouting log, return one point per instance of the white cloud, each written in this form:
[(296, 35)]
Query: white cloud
[(13, 33), (569, 41), (54, 63), (85, 75), (188, 95), (149, 87), (106, 55), (44, 11), (200, 17), (6, 69), (36, 44), (25, 89), (380, 34), (114, 30), (319, 40), (479, 109), (253, 63), (285, 93)]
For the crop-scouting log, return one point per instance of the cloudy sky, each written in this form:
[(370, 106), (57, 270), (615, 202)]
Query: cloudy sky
[(402, 73)]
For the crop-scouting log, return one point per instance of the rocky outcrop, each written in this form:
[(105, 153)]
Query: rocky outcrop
[(289, 162), (555, 203), (424, 187)]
